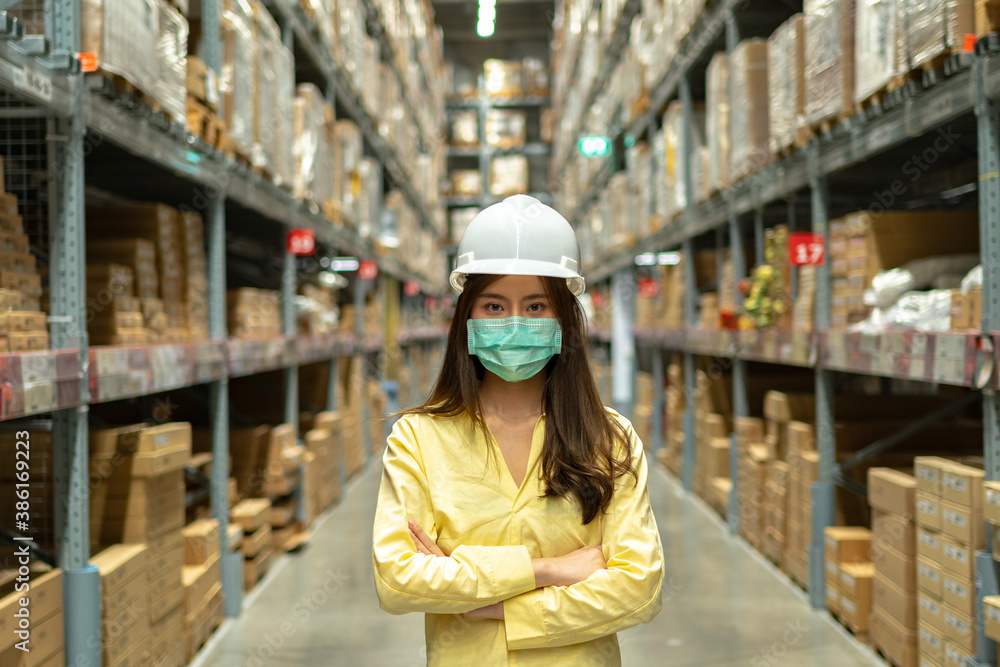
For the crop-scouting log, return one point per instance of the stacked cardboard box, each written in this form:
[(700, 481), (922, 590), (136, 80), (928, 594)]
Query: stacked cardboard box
[(202, 607), (378, 402), (312, 151), (803, 461), (894, 626), (236, 84), (23, 327), (39, 486), (845, 547), (274, 93), (125, 605), (673, 421), (718, 113), (749, 108), (352, 381), (45, 609), (166, 591), (987, 18), (786, 80), (254, 314), (170, 303), (346, 170), (503, 77), (252, 515), (829, 60), (949, 504), (506, 129)]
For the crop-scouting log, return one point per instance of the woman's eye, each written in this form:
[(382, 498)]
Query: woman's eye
[(536, 307), (493, 307)]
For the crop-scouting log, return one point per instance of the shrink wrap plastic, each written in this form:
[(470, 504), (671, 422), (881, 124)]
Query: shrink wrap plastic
[(749, 102), (935, 27), (123, 34), (877, 46), (786, 67), (717, 102), (236, 82), (829, 59), (171, 55)]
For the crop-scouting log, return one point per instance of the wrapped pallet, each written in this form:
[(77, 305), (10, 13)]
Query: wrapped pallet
[(749, 106), (673, 123), (236, 83), (309, 135), (122, 34), (717, 103), (347, 154), (786, 80), (171, 60), (935, 27), (284, 139), (829, 60), (266, 121), (878, 49)]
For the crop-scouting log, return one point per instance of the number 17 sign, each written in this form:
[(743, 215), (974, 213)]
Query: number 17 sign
[(805, 249)]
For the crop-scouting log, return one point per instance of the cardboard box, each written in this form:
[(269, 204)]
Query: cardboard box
[(928, 511), (959, 593), (957, 558), (166, 555), (929, 471), (165, 595), (891, 491), (848, 545), (46, 597), (963, 486), (991, 503), (897, 568), (201, 542), (856, 594), (894, 531), (140, 465), (960, 628), (235, 537), (929, 578), (258, 540), (955, 655), (833, 594), (898, 643), (120, 563), (199, 580), (931, 643), (991, 616), (963, 524), (930, 611), (893, 601), (929, 544), (251, 513)]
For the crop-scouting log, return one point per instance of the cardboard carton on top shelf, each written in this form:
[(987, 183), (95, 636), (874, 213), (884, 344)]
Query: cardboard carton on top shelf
[(201, 541), (892, 491)]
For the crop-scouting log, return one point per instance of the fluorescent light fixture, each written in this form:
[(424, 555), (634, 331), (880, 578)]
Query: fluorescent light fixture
[(485, 28), (328, 279), (645, 259), (487, 14), (344, 264), (669, 258), (487, 3)]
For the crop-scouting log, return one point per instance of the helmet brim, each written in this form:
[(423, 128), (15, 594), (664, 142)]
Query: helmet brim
[(517, 267)]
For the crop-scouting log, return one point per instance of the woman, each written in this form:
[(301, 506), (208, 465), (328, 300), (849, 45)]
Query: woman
[(513, 508)]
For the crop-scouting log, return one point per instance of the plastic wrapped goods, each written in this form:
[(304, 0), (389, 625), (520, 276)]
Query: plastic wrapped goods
[(535, 77), (829, 59), (123, 35), (505, 129), (236, 82), (749, 102), (508, 175), (503, 78), (310, 132), (171, 56), (284, 138), (888, 286), (717, 107), (877, 47), (464, 128), (786, 80), (266, 121), (914, 311), (346, 166), (466, 183), (935, 27)]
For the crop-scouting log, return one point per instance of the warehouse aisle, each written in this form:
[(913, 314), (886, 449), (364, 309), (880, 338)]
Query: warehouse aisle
[(722, 606)]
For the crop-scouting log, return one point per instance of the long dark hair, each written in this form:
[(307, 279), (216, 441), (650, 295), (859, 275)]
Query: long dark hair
[(578, 453)]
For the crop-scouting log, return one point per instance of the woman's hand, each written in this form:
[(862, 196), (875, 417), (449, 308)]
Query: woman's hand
[(494, 611), (423, 541), (570, 569)]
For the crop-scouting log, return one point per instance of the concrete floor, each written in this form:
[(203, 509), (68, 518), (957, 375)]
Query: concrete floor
[(723, 605)]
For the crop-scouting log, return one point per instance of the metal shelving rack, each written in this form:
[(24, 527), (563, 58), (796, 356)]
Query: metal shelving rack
[(966, 359), (483, 104), (45, 82)]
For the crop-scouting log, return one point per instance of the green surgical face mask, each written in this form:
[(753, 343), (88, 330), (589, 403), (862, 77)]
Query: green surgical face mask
[(515, 348)]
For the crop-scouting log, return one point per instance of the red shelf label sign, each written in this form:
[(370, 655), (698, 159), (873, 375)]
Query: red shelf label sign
[(368, 270), (411, 288), (805, 249), (301, 242)]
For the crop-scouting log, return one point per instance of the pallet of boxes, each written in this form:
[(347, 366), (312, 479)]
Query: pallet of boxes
[(849, 575), (203, 602), (252, 516), (163, 249), (23, 326), (136, 515), (324, 452), (950, 530), (44, 608), (352, 379), (991, 514)]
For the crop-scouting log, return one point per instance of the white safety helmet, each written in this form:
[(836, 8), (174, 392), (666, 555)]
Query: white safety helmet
[(519, 236)]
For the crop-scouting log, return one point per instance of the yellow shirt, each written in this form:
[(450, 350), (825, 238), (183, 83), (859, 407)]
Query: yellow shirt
[(436, 474)]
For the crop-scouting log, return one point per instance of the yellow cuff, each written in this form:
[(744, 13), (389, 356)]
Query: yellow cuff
[(509, 568), (523, 621)]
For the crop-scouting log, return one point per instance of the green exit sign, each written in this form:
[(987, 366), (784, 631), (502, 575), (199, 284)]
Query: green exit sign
[(594, 146)]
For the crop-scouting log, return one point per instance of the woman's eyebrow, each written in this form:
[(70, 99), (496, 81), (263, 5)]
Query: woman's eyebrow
[(486, 295)]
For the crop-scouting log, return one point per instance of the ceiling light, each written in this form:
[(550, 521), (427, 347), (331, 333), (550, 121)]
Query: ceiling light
[(487, 14), (484, 28)]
